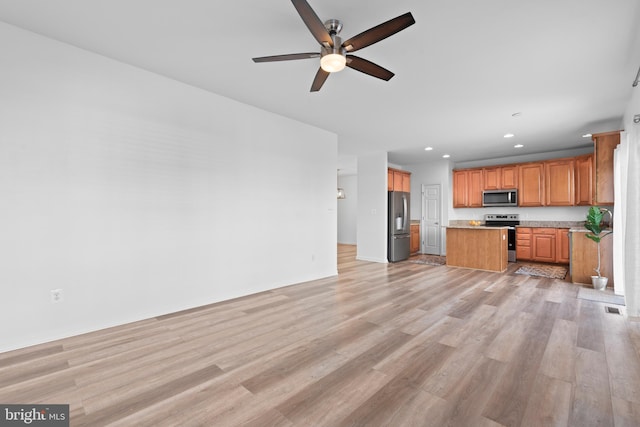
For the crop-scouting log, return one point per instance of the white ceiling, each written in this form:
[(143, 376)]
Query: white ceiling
[(461, 71)]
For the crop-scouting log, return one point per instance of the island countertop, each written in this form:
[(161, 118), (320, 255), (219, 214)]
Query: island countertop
[(476, 227)]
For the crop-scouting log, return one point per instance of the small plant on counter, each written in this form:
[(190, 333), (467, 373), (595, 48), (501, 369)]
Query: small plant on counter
[(597, 228)]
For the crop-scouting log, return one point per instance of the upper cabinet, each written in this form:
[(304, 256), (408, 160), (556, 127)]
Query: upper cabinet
[(584, 180), (559, 182), (531, 189), (500, 177), (604, 144), (510, 177), (398, 180), (576, 181), (467, 188), (492, 178)]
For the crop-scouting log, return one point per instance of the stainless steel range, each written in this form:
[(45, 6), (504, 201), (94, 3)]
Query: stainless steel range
[(507, 220)]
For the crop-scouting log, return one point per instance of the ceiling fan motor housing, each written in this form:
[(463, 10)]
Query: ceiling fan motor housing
[(333, 26), (336, 49)]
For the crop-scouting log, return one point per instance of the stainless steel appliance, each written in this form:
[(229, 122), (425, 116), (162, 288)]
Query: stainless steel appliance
[(398, 241), (510, 221), (500, 198)]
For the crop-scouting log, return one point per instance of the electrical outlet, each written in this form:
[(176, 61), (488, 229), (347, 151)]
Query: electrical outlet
[(56, 295)]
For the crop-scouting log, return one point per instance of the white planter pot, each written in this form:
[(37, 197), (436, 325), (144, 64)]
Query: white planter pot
[(599, 283)]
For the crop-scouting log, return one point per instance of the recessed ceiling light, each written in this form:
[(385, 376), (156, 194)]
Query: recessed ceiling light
[(446, 156), (509, 135), (518, 146), (586, 135), (428, 148)]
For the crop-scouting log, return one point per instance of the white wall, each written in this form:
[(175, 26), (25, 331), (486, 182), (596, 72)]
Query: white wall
[(372, 207), (348, 210), (138, 195)]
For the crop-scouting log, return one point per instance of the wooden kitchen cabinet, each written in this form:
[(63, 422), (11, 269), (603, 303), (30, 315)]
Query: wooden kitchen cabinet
[(414, 238), (584, 258), (510, 177), (559, 182), (574, 181), (523, 243), (531, 190), (398, 180), (584, 180), (460, 189), (492, 178), (543, 244), (562, 246), (467, 188), (604, 144), (500, 177), (482, 248)]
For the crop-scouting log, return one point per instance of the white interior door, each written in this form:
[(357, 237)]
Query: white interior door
[(431, 229)]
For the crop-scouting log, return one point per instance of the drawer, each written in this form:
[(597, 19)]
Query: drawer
[(539, 230), (523, 242)]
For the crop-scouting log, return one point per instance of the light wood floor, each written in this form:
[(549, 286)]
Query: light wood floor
[(380, 345)]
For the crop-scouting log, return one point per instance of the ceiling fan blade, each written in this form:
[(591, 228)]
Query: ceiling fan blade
[(379, 32), (318, 81), (312, 22), (368, 67), (288, 57)]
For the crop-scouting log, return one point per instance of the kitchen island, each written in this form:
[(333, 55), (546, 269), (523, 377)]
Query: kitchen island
[(477, 247)]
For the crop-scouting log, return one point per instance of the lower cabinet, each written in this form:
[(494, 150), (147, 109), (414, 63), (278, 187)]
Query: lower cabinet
[(542, 244), (562, 246), (414, 238), (584, 258), (523, 243)]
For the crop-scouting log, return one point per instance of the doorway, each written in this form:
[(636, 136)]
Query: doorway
[(431, 229)]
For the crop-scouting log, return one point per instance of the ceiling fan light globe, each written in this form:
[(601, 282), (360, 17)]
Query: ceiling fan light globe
[(333, 62)]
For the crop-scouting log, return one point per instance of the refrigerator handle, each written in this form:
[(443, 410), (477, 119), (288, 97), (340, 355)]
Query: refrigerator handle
[(404, 203)]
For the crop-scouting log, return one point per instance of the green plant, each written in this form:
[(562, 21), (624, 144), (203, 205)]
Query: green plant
[(597, 229)]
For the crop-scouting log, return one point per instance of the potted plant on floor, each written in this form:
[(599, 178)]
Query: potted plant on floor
[(597, 230)]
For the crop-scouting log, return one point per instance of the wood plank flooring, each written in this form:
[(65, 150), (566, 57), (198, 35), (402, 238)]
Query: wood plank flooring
[(379, 345)]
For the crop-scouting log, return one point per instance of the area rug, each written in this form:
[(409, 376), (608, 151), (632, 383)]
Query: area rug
[(606, 296), (428, 259), (550, 271)]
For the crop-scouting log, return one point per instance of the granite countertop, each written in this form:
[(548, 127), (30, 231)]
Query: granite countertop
[(475, 227), (551, 224), (584, 230), (545, 224)]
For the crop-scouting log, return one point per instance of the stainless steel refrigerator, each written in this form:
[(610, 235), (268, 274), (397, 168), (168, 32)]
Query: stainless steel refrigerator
[(398, 237)]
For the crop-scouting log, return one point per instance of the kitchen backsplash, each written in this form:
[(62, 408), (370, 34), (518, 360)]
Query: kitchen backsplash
[(550, 224)]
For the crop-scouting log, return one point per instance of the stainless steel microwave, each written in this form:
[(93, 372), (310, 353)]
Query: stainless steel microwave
[(500, 198)]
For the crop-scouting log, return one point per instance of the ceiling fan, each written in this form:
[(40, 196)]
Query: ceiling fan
[(334, 53)]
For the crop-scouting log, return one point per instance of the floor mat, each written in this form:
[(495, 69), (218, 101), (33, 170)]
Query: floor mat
[(550, 271), (428, 259)]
